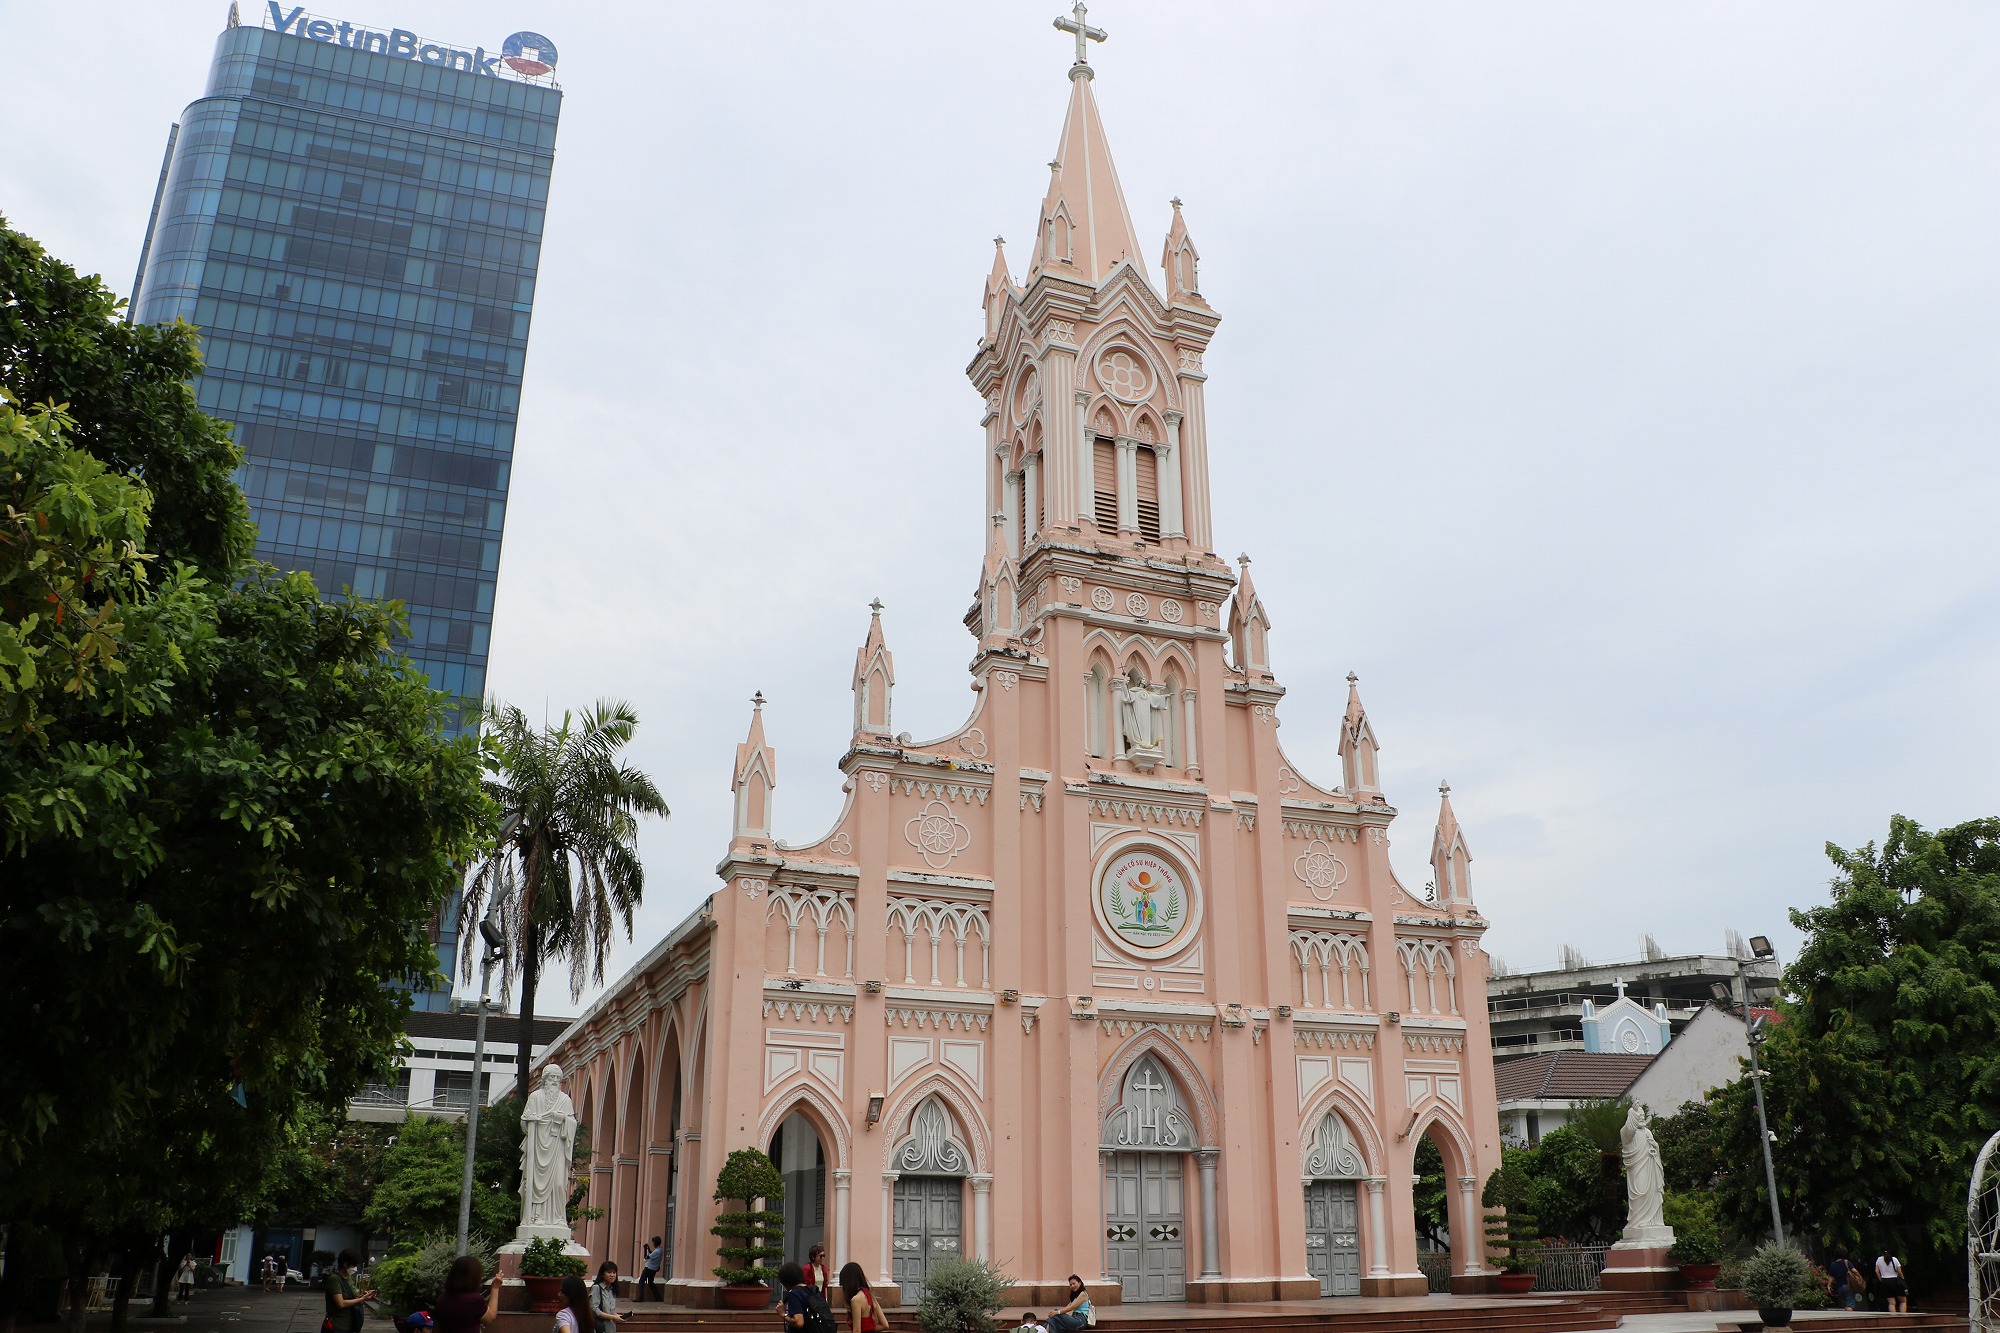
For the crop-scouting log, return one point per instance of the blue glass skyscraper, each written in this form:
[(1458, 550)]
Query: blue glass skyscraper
[(354, 219)]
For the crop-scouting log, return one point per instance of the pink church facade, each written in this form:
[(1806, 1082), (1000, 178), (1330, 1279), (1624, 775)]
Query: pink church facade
[(1101, 981)]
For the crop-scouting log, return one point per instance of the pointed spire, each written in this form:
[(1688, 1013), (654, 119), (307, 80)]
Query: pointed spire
[(1084, 228), (755, 778), (999, 283), (1249, 625), (1358, 749), (874, 678), (1182, 263), (1451, 860)]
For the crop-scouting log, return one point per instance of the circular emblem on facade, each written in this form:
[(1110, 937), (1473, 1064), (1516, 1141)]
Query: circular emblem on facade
[(529, 53), (1147, 901), (1136, 604), (1171, 612), (1101, 598), (1123, 376)]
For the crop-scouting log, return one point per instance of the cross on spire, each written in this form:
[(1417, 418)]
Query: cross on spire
[(1079, 24)]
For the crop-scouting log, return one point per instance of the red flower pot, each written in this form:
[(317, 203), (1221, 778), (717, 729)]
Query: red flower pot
[(1515, 1284), (753, 1297), (1700, 1277), (544, 1294)]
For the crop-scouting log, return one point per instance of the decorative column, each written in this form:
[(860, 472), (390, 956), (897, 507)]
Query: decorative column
[(1474, 1233), (1128, 485), (1010, 506), (982, 1216), (1211, 1233), (1378, 1233), (888, 1225), (1085, 462), (1194, 439), (1192, 762), (1172, 512), (842, 1179), (1031, 498)]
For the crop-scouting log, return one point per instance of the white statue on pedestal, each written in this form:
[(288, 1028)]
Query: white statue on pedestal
[(1142, 710), (1645, 1182), (548, 1144)]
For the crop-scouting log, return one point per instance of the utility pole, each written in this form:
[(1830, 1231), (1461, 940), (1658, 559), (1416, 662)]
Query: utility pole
[(496, 945), (1760, 948)]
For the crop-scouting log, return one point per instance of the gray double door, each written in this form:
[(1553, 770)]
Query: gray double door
[(1145, 1225), (1333, 1237), (928, 1226)]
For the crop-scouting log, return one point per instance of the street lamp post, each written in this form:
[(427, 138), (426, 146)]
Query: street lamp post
[(496, 943), (1756, 1036), (1760, 948)]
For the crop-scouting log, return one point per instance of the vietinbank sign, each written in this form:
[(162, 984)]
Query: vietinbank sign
[(527, 55)]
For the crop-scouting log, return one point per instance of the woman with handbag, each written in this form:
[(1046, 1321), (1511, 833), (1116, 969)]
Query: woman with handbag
[(345, 1307), (1075, 1313)]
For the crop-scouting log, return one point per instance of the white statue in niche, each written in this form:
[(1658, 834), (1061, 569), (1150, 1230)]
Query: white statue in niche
[(548, 1145), (1142, 712), (1645, 1182)]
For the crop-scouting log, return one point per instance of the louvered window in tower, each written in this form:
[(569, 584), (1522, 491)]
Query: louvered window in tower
[(1104, 461), (1149, 493)]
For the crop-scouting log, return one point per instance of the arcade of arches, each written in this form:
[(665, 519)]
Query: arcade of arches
[(1100, 980)]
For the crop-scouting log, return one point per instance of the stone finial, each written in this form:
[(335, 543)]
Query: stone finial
[(757, 699)]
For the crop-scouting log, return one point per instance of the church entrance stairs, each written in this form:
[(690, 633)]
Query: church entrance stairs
[(1359, 1314)]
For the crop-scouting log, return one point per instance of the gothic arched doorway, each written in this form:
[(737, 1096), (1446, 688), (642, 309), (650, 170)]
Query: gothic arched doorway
[(1147, 1138), (1334, 1169), (801, 1160), (928, 1220)]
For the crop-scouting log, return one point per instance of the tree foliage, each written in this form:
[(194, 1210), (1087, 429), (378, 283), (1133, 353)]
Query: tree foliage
[(224, 847), (1882, 1075), (755, 1235), (1432, 1202), (1574, 1193), (961, 1296), (567, 863), (422, 1173)]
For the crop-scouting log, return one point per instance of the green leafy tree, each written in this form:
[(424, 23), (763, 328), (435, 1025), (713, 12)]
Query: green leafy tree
[(1432, 1202), (422, 1173), (1881, 1076), (223, 846), (1690, 1147), (64, 340), (567, 864), (1513, 1235)]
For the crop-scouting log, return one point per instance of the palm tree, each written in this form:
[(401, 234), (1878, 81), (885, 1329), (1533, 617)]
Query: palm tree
[(567, 860)]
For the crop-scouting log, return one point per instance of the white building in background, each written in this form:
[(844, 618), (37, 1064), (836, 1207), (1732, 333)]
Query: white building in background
[(436, 1078)]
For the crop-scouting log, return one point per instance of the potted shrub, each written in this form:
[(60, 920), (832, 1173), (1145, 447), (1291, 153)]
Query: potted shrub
[(1512, 1239), (1697, 1244), (1772, 1278), (543, 1267), (751, 1236), (961, 1296)]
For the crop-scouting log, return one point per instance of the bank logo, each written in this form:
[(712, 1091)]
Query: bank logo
[(529, 53)]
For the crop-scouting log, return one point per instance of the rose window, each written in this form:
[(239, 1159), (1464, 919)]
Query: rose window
[(1123, 376)]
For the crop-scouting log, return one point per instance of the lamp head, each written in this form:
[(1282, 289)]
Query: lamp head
[(496, 939), (1720, 990), (1760, 946)]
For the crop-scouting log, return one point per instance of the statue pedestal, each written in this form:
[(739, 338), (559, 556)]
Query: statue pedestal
[(508, 1257), (1638, 1262)]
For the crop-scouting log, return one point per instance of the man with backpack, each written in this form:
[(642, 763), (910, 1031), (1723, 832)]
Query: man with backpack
[(805, 1309)]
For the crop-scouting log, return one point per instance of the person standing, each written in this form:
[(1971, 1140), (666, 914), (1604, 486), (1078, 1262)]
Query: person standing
[(1837, 1274), (184, 1278), (576, 1316), (346, 1307), (864, 1312), (469, 1300), (649, 1270), (604, 1299), (817, 1276), (1889, 1283)]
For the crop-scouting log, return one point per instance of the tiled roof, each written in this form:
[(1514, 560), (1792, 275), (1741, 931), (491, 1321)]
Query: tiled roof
[(1567, 1075), (501, 1029)]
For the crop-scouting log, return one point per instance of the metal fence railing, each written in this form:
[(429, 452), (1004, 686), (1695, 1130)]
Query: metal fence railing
[(1571, 1267), (1436, 1268)]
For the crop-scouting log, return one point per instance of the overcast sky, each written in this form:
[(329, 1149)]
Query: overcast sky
[(1614, 386)]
